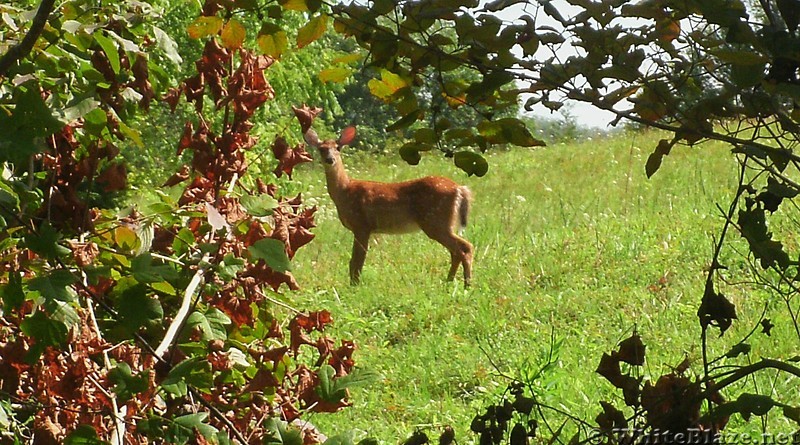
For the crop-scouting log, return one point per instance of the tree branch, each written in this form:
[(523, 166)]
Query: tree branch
[(23, 48)]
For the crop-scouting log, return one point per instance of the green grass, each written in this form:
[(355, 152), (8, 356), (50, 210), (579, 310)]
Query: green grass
[(571, 241)]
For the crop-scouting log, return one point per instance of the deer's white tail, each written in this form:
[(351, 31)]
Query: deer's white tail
[(463, 201)]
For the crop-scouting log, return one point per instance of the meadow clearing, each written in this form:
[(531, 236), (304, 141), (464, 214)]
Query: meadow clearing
[(574, 246)]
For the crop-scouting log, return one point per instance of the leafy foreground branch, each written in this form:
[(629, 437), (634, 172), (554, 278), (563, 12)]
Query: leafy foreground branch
[(87, 294)]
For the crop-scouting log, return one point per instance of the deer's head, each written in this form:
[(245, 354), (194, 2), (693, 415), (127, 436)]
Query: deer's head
[(329, 149)]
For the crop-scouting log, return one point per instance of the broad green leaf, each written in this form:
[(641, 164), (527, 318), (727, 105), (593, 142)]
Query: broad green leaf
[(281, 433), (233, 34), (229, 267), (212, 324), (95, 121), (312, 30), (45, 242), (335, 75), (740, 57), (11, 293), (205, 26), (63, 312), (195, 371), (144, 271), (80, 109), (110, 48), (45, 331), (472, 163), (55, 285), (409, 152), (389, 84), (518, 134), (183, 241), (425, 136), (131, 133), (273, 252), (654, 160), (83, 435), (191, 422), (167, 45), (273, 44), (30, 120), (127, 385), (259, 205), (406, 121), (137, 309)]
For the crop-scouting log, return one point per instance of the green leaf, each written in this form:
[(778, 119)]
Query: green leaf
[(405, 121), (137, 309), (273, 252), (11, 293), (45, 242), (312, 30), (212, 324), (410, 152), (167, 45), (144, 271), (229, 267), (55, 285), (272, 40), (45, 331), (517, 133), (196, 421), (127, 385), (95, 121), (654, 160), (183, 241), (110, 48), (195, 371), (332, 389), (30, 120), (83, 435), (281, 433), (259, 205), (472, 163), (80, 109), (389, 84), (294, 5)]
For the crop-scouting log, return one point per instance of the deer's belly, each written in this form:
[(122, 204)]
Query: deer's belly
[(392, 220)]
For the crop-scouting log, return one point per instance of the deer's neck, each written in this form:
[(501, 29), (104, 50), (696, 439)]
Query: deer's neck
[(337, 179)]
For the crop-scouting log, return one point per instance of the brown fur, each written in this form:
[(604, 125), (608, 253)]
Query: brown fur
[(433, 204)]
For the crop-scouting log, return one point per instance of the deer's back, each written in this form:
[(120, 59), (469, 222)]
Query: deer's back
[(400, 206)]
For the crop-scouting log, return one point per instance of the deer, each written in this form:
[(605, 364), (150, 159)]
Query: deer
[(434, 204)]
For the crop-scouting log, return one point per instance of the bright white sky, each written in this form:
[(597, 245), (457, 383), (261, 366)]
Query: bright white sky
[(585, 114)]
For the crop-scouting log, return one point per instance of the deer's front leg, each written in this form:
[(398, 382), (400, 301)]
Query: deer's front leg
[(360, 247)]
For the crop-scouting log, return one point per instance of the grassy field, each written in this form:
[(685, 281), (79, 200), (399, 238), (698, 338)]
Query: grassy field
[(572, 242)]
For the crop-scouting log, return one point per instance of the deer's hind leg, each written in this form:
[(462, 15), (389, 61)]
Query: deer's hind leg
[(460, 250)]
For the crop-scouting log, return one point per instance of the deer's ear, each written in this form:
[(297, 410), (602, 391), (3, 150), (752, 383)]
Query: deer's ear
[(348, 134), (311, 137)]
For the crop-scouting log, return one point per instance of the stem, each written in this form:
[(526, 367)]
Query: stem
[(23, 48), (183, 312)]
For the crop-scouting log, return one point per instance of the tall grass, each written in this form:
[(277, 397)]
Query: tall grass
[(571, 241)]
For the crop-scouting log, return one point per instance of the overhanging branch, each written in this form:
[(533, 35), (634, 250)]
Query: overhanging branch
[(24, 47)]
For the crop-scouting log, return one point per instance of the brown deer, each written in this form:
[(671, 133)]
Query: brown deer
[(433, 204)]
